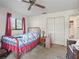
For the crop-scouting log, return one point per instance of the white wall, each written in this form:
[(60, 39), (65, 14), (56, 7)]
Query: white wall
[(41, 21), (74, 29), (3, 12)]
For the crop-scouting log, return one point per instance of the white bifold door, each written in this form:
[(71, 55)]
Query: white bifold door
[(59, 30), (50, 28), (56, 27)]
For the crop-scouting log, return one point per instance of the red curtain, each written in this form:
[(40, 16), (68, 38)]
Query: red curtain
[(23, 25), (8, 25)]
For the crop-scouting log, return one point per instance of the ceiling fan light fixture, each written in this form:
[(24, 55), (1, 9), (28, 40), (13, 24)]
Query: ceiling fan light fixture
[(44, 13)]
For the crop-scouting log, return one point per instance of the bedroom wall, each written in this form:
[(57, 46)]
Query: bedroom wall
[(41, 21), (74, 29), (3, 12)]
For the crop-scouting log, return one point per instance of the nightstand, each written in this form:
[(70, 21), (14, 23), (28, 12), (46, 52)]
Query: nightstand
[(42, 41)]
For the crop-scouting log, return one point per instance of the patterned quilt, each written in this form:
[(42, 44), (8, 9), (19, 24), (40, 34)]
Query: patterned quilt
[(24, 39)]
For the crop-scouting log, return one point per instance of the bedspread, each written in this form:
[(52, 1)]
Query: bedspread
[(25, 42)]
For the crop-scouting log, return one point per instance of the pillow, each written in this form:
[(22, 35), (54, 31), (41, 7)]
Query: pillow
[(77, 45), (18, 36)]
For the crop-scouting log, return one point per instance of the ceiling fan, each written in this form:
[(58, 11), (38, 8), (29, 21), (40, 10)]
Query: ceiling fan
[(33, 2)]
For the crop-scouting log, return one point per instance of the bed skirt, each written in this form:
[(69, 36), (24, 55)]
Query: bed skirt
[(23, 49)]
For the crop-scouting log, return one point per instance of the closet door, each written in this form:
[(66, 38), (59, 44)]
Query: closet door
[(50, 27), (60, 30)]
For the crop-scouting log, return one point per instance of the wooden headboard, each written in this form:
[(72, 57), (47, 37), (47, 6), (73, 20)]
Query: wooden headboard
[(34, 29)]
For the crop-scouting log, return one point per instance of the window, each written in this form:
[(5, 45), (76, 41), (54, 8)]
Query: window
[(16, 24)]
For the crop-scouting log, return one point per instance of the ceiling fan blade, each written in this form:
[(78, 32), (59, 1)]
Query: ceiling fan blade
[(30, 7), (41, 6), (25, 1), (32, 2)]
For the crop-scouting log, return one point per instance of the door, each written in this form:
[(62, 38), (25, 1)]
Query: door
[(56, 27), (50, 27), (60, 30)]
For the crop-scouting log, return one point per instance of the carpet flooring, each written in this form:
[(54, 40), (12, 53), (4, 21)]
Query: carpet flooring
[(39, 52)]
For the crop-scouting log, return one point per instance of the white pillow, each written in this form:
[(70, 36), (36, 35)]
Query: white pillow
[(77, 45)]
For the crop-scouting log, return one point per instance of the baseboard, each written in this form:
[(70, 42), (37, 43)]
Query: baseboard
[(59, 45)]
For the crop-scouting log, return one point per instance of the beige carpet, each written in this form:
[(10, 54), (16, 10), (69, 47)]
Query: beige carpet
[(39, 52)]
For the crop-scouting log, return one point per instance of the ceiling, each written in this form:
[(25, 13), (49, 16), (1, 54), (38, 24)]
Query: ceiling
[(51, 6)]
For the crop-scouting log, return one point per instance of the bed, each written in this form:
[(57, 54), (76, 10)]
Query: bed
[(22, 43)]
